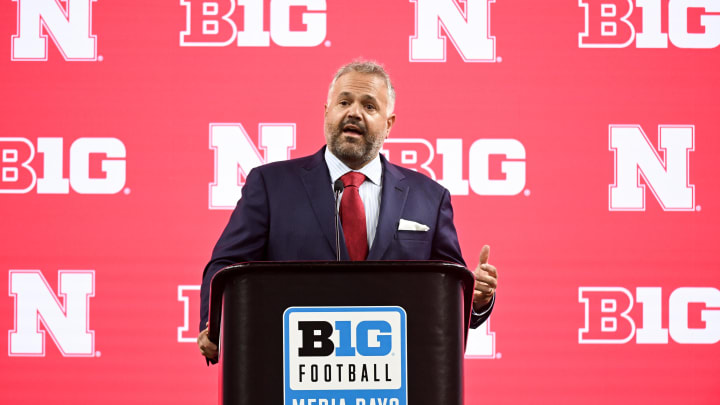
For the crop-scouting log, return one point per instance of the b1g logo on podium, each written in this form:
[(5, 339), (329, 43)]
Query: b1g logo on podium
[(345, 355)]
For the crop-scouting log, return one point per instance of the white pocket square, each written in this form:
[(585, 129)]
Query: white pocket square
[(406, 225)]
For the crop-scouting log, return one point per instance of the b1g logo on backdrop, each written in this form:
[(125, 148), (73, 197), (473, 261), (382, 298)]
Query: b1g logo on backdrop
[(693, 315), (690, 23), (345, 355), (68, 323), (236, 154), (468, 30), (86, 176), (70, 28), (213, 23), (418, 154), (636, 159)]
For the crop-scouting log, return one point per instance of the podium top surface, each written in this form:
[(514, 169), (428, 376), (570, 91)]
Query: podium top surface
[(383, 279)]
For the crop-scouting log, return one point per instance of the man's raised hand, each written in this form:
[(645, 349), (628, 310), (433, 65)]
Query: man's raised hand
[(485, 281)]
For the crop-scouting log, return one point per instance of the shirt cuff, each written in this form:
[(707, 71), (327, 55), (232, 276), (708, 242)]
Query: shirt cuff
[(486, 309)]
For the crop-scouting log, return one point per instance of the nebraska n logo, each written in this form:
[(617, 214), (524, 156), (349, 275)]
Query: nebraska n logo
[(469, 30), (68, 323), (70, 29), (636, 158), (236, 155)]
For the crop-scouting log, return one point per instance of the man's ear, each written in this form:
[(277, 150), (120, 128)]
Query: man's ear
[(390, 122), (326, 110)]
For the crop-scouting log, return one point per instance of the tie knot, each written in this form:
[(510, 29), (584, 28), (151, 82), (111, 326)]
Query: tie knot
[(353, 179)]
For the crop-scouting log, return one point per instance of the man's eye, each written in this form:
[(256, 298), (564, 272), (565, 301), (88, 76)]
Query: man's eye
[(344, 102), (370, 107)]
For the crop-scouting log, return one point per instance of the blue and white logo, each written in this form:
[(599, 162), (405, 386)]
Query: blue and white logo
[(345, 356)]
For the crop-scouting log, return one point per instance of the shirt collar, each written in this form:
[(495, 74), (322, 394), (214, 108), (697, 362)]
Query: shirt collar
[(372, 170)]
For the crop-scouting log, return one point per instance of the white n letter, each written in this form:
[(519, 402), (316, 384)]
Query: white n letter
[(668, 178), (236, 155), (69, 30), (68, 323), (468, 31)]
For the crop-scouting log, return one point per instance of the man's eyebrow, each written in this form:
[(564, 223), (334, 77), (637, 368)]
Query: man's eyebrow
[(366, 97)]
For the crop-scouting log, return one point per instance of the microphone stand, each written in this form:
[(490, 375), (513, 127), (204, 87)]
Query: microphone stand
[(338, 187)]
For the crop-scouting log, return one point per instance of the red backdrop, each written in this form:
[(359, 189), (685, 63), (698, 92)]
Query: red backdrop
[(128, 126)]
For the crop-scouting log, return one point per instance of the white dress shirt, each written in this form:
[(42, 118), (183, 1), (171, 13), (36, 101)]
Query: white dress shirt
[(370, 191)]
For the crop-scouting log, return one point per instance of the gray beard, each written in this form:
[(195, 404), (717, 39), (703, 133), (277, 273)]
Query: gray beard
[(349, 152)]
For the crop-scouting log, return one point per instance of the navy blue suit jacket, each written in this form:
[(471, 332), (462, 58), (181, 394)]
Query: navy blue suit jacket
[(287, 213)]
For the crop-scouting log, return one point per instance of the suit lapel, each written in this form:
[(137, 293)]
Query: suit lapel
[(316, 179), (394, 195)]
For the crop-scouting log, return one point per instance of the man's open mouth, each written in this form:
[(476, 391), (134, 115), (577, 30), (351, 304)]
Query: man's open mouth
[(353, 129)]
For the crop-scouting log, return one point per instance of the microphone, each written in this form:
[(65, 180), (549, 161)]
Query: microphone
[(338, 187)]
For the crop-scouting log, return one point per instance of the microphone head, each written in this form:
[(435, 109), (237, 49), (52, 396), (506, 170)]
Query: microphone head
[(338, 186)]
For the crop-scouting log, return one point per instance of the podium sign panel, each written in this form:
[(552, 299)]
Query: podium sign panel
[(345, 355)]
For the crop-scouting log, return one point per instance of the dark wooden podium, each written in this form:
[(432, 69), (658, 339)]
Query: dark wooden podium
[(252, 303)]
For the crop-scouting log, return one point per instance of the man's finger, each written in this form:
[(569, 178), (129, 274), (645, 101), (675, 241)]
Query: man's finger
[(485, 290), (480, 300), (207, 348), (489, 268), (486, 280), (483, 294), (484, 254)]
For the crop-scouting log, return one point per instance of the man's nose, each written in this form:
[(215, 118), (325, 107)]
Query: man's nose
[(354, 110)]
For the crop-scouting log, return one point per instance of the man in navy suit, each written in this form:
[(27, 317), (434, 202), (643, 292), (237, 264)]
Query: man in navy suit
[(287, 209)]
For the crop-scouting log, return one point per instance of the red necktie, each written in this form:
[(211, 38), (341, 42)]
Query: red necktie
[(352, 215)]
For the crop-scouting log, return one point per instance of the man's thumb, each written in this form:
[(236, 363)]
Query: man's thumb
[(484, 254)]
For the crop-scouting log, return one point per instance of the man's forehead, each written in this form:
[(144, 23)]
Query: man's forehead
[(360, 84)]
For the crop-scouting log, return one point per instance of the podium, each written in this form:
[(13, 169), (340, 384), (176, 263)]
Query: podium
[(332, 333)]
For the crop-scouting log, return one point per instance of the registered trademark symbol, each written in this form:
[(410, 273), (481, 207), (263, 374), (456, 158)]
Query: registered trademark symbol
[(100, 58), (499, 59), (126, 191), (526, 193), (328, 43), (98, 354), (498, 356), (698, 208)]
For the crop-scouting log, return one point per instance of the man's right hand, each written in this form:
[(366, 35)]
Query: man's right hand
[(207, 348)]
